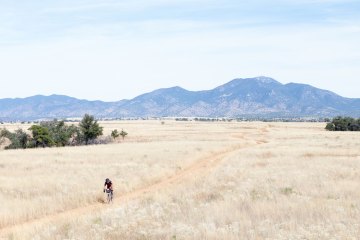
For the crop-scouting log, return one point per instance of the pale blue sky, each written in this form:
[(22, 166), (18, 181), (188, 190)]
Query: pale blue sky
[(119, 49)]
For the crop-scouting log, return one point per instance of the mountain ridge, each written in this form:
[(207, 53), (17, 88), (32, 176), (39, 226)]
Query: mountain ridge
[(240, 97)]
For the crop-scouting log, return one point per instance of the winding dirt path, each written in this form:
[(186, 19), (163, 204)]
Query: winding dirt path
[(199, 168)]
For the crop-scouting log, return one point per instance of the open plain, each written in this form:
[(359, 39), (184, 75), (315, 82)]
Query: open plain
[(187, 180)]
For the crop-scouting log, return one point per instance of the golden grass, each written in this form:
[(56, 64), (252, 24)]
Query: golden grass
[(283, 181)]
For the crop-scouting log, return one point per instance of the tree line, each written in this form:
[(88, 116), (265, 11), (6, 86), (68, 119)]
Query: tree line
[(57, 133), (343, 124)]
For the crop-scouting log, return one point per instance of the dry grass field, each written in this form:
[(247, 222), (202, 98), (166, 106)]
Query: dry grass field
[(188, 180)]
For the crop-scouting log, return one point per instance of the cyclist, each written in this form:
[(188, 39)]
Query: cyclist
[(108, 185)]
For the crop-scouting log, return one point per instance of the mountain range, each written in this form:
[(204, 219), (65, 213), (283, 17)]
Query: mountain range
[(244, 97)]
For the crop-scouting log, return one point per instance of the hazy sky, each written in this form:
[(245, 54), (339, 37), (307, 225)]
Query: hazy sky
[(116, 49)]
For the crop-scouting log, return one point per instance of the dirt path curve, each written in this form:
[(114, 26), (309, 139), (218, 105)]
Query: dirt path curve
[(200, 167)]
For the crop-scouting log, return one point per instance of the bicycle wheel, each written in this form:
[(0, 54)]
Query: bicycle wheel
[(108, 197)]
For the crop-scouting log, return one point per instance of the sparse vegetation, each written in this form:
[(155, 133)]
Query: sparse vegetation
[(123, 134), (115, 134), (287, 191), (181, 119), (56, 133)]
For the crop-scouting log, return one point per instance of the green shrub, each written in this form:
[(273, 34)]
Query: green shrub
[(330, 127), (18, 139), (115, 134), (343, 124), (123, 134), (89, 129), (60, 133), (41, 136)]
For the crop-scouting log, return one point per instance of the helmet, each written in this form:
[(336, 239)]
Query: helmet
[(107, 180)]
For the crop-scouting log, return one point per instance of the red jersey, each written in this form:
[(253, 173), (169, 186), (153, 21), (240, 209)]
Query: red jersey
[(108, 185)]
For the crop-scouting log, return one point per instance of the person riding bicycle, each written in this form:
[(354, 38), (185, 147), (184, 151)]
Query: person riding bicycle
[(108, 185)]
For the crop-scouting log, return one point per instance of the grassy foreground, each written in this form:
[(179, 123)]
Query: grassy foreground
[(188, 180)]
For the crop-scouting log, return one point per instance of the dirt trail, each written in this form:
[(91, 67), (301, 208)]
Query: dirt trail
[(200, 167)]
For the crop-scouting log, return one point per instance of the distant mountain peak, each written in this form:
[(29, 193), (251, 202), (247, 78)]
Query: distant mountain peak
[(248, 82), (177, 88), (264, 79)]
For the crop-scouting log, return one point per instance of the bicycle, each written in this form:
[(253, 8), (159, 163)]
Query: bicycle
[(109, 195)]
